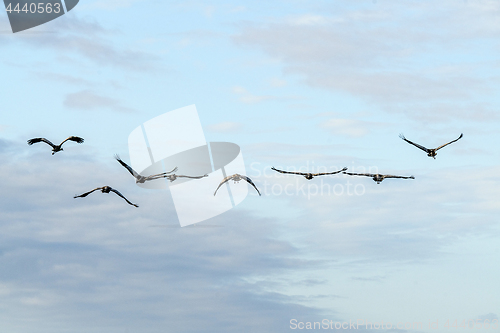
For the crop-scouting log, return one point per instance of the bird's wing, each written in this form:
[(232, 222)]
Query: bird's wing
[(225, 180), (291, 172), (35, 140), (174, 170), (121, 195), (126, 166), (162, 175), (461, 135), (360, 174), (413, 143), (194, 177), (329, 173), (73, 138), (251, 183), (392, 176), (87, 193), (154, 177)]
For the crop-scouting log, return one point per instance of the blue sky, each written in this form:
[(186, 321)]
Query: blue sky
[(296, 84)]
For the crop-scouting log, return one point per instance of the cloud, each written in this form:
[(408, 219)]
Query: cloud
[(275, 82), (110, 5), (391, 226), (225, 127), (66, 78), (348, 127), (368, 279), (308, 19), (87, 39), (72, 259), (490, 317), (96, 257), (88, 100), (248, 98), (408, 59)]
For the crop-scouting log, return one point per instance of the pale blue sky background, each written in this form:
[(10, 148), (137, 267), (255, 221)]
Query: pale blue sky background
[(297, 84)]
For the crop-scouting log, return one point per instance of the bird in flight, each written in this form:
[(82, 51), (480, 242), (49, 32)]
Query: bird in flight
[(174, 177), (140, 178), (105, 189), (55, 148), (310, 176), (236, 178), (430, 152), (376, 176)]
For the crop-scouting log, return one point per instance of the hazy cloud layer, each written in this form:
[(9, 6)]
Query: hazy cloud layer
[(87, 39), (97, 257), (225, 127), (348, 127), (89, 100), (413, 58), (249, 98)]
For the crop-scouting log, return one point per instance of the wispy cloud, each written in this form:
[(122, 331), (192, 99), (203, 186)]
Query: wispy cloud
[(489, 316), (88, 39), (248, 98), (349, 127), (78, 257), (417, 65), (308, 19), (66, 78), (89, 100), (275, 82), (110, 5), (225, 127)]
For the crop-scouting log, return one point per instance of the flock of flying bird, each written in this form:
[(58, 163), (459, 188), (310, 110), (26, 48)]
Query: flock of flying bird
[(170, 175)]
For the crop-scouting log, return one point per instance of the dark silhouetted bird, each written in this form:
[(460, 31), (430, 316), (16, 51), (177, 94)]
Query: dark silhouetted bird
[(55, 148), (139, 178), (105, 189), (376, 176), (430, 152), (236, 178), (309, 176)]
